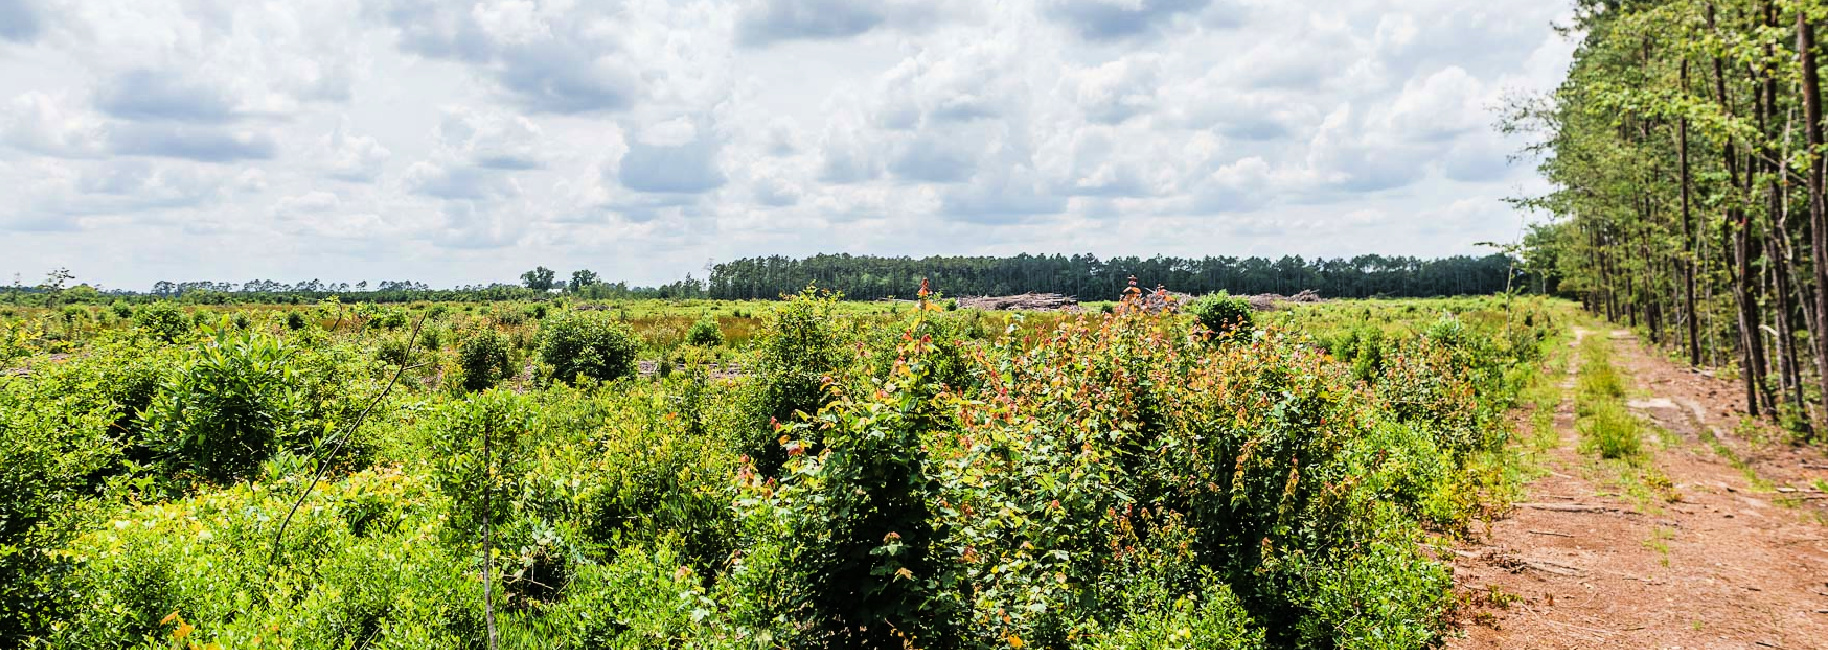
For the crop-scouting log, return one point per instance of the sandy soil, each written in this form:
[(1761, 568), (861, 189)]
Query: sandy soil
[(1712, 561)]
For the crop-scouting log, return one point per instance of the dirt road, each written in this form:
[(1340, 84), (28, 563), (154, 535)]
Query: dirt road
[(1715, 559)]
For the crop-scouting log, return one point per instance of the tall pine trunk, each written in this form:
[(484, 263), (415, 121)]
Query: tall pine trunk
[(1814, 136), (1688, 259)]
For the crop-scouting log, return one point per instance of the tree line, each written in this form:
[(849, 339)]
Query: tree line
[(1686, 153), (871, 277), (1091, 278)]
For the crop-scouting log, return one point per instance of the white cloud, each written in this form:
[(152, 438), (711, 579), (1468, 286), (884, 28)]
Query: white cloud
[(474, 139)]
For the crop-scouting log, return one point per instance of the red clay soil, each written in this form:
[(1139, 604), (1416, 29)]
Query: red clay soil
[(1715, 561)]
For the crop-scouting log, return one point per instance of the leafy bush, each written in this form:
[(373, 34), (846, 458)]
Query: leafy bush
[(508, 318), (56, 442), (393, 350), (858, 564), (940, 480), (295, 321), (588, 344), (391, 319), (162, 319), (796, 347), (1222, 313), (220, 415), (705, 333), (484, 359)]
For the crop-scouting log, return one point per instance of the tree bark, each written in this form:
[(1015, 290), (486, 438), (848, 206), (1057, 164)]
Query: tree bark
[(1814, 137), (1689, 257), (1753, 366)]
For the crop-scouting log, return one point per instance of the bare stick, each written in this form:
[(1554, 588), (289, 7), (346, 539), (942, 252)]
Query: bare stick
[(324, 461)]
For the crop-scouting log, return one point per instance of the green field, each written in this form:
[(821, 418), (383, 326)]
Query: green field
[(750, 474)]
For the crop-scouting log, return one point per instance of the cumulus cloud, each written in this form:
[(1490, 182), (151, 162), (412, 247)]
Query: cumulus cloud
[(555, 132), (781, 20), (673, 157), (149, 95), (1107, 19), (1117, 90), (546, 58), (351, 157), (19, 20), (192, 142), (47, 124)]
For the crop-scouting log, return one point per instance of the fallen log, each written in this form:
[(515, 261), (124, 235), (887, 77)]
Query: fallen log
[(1568, 507)]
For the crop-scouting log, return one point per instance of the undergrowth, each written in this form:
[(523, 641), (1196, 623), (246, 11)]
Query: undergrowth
[(928, 478)]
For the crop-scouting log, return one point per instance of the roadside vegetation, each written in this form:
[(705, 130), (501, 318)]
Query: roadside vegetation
[(800, 473)]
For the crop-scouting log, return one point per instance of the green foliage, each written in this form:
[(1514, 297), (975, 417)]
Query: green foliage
[(797, 347), (217, 417), (1222, 313), (588, 344), (540, 279), (484, 359), (478, 483), (645, 599), (855, 520), (1611, 431), (56, 444), (162, 319), (705, 333), (941, 480), (1608, 429)]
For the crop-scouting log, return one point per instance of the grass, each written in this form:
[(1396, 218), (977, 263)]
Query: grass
[(1608, 429), (1661, 536), (1754, 481)]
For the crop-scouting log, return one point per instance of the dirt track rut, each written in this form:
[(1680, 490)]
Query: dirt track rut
[(1585, 563)]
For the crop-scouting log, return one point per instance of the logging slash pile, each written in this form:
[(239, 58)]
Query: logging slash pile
[(1022, 301)]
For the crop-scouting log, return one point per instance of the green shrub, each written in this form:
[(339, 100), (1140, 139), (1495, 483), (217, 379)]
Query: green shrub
[(391, 319), (705, 333), (1222, 313), (221, 414), (644, 599), (295, 321), (432, 338), (393, 350), (484, 359), (1204, 619), (56, 442), (588, 344), (121, 309), (796, 347), (162, 319), (855, 521), (480, 485)]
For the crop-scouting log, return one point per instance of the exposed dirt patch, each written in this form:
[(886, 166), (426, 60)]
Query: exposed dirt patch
[(1711, 561)]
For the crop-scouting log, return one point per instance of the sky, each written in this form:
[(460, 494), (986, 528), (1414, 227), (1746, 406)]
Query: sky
[(458, 143)]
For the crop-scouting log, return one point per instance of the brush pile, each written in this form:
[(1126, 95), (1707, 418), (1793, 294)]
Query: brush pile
[(1268, 301), (1022, 301)]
